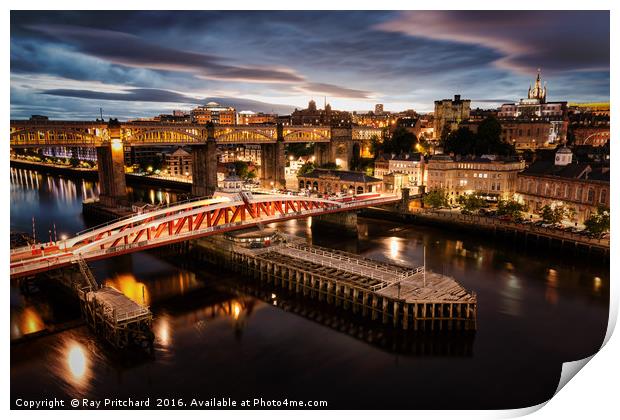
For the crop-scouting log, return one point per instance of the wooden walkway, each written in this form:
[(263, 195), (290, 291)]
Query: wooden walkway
[(395, 294)]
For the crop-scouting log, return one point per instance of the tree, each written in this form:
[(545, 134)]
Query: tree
[(375, 145), (553, 215), (306, 168), (489, 132), (486, 141), (460, 142), (401, 141), (598, 223), (241, 169), (436, 198), (471, 202), (510, 208), (299, 149)]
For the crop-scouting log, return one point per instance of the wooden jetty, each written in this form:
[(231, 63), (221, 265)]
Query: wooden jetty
[(396, 295), (118, 319)]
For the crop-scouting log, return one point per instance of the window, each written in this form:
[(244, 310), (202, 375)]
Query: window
[(603, 196), (590, 195)]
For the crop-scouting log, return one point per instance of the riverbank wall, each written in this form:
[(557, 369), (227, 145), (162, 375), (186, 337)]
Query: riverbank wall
[(480, 225)]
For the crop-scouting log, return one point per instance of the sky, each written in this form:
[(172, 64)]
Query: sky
[(68, 65)]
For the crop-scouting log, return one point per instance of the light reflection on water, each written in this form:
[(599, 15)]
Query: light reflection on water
[(233, 338), (74, 366), (128, 285)]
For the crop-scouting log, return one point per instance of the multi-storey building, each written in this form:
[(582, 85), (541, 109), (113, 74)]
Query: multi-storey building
[(528, 133), (449, 113), (214, 113), (535, 105), (493, 177), (579, 187), (409, 165), (81, 153), (179, 163), (326, 116), (234, 152), (249, 117), (327, 181)]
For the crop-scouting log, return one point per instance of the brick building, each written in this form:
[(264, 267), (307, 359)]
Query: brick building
[(580, 187)]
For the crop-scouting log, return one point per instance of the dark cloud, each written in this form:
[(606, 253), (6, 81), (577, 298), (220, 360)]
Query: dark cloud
[(130, 50), (407, 59), (555, 40), (135, 95), (166, 96)]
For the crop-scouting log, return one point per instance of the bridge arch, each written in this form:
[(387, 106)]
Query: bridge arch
[(56, 137), (164, 135), (245, 135)]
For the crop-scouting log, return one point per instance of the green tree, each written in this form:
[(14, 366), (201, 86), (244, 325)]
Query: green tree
[(436, 198), (306, 168), (460, 142), (299, 149), (375, 145), (241, 169), (510, 208), (553, 215), (471, 202), (598, 223)]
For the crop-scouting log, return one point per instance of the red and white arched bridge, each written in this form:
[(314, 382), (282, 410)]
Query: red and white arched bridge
[(178, 223)]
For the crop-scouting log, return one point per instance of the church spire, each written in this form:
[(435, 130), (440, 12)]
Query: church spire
[(538, 92)]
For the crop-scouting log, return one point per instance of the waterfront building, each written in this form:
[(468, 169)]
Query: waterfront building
[(580, 187), (410, 165), (449, 113), (179, 163), (491, 176), (214, 113), (81, 153), (329, 181)]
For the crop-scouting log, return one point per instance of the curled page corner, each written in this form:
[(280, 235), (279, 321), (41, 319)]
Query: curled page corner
[(570, 369)]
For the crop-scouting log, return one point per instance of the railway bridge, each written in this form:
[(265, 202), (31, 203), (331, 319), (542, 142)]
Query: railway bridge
[(111, 138)]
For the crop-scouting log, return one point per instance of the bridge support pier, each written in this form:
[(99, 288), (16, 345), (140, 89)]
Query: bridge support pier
[(111, 168), (345, 223), (204, 169), (272, 165)]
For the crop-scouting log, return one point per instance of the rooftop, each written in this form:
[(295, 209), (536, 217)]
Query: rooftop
[(350, 176), (571, 171)]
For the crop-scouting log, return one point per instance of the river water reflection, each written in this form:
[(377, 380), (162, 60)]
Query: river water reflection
[(536, 310)]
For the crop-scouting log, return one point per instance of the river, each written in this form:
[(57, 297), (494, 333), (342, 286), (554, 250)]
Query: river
[(536, 309)]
